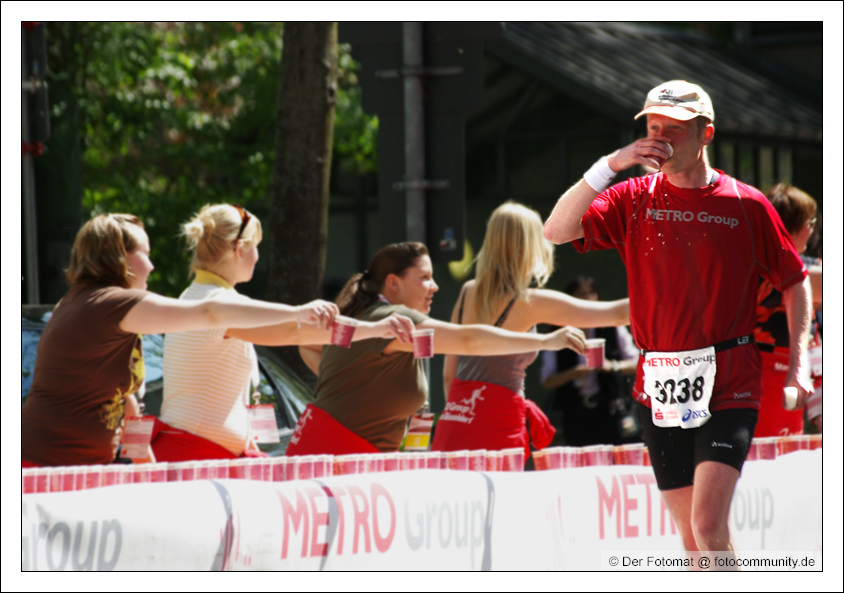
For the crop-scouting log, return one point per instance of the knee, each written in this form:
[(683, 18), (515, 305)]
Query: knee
[(711, 532)]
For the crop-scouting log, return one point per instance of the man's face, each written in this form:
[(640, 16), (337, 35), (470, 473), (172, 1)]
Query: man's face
[(687, 142)]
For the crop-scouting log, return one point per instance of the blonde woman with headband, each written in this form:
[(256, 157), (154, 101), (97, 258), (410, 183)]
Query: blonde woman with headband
[(90, 360), (210, 374), (486, 406)]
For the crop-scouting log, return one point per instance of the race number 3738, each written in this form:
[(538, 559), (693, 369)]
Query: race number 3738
[(679, 385)]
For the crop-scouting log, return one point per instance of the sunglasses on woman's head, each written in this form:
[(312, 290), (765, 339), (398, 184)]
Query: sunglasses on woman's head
[(244, 220)]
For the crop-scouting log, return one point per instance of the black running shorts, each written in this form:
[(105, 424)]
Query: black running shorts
[(676, 452)]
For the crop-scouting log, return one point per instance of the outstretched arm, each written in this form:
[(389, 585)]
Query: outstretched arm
[(156, 314)]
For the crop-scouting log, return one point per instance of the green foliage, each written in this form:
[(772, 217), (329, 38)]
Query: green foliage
[(178, 115)]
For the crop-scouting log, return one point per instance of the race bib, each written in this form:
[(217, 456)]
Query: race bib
[(679, 385)]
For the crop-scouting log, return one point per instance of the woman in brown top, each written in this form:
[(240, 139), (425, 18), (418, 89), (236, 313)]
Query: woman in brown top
[(366, 393), (90, 362)]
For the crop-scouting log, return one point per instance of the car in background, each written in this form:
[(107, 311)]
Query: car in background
[(279, 385)]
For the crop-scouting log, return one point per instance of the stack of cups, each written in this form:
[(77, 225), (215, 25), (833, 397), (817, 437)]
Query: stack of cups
[(392, 462), (766, 447), (513, 460), (792, 443), (113, 474), (434, 460), (597, 455), (278, 466), (494, 461), (477, 460), (158, 472), (632, 454), (458, 460), (323, 466), (572, 457)]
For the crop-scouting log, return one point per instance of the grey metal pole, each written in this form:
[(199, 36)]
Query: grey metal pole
[(414, 130), (30, 229)]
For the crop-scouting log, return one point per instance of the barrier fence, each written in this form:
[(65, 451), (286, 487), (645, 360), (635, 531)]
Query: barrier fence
[(577, 518)]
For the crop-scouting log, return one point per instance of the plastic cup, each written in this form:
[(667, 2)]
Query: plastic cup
[(595, 353), (306, 467), (112, 474), (376, 462), (140, 473), (572, 457), (513, 460), (279, 468), (815, 441), (789, 398), (766, 448), (646, 456), (28, 480), (392, 462), (434, 460), (342, 332), (42, 479), (792, 443), (346, 464), (628, 454), (458, 460), (552, 458), (477, 460), (323, 466), (158, 471), (423, 343), (239, 469), (494, 461)]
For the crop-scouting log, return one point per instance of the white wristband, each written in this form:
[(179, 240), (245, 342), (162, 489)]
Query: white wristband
[(600, 175)]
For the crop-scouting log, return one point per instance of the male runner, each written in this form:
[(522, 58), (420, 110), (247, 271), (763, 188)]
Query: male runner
[(694, 241)]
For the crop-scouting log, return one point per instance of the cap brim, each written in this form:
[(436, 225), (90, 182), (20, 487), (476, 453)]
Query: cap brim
[(671, 111)]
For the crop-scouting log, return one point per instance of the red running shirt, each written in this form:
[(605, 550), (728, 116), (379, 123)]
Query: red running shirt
[(694, 257)]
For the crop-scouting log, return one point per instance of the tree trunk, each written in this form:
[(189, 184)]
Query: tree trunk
[(298, 223)]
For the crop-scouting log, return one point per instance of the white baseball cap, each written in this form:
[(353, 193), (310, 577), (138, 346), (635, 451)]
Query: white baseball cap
[(678, 99)]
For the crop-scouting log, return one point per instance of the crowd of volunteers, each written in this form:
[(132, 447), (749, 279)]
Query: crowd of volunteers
[(714, 275)]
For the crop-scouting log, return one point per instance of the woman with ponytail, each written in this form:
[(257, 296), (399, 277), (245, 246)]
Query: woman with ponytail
[(366, 394), (211, 374)]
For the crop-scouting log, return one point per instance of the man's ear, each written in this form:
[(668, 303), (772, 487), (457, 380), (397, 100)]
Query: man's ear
[(708, 133)]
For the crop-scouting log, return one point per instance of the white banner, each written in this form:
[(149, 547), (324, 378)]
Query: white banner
[(567, 519)]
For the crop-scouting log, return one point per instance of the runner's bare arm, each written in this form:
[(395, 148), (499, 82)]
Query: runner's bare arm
[(798, 307), (565, 224)]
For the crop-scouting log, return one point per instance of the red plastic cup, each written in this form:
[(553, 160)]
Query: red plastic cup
[(392, 462), (646, 456), (306, 467), (572, 457), (239, 469), (376, 462), (513, 460), (595, 353), (477, 460), (494, 461), (766, 448), (42, 479), (323, 466), (279, 468), (28, 480), (346, 464), (423, 343), (791, 443), (553, 458), (158, 471), (539, 461), (112, 474), (815, 441), (140, 473), (628, 454), (342, 331), (434, 460), (458, 460)]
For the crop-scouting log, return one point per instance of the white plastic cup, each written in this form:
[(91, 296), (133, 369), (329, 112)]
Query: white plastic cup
[(423, 343), (342, 332), (789, 398), (595, 353)]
